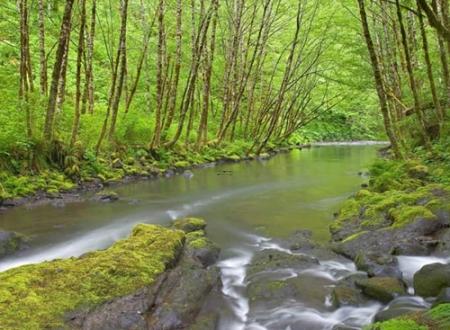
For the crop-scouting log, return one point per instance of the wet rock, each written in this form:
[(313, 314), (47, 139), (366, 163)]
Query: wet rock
[(182, 296), (267, 292), (188, 174), (274, 260), (344, 327), (443, 297), (11, 242), (443, 246), (431, 279), (169, 173), (375, 264), (408, 239), (302, 241), (205, 322), (106, 196), (264, 156), (200, 248), (347, 296), (189, 225), (401, 306), (383, 289), (351, 279), (173, 302)]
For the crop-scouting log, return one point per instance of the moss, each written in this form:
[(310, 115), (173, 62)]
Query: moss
[(397, 324), (439, 316), (181, 164), (197, 239), (354, 236), (234, 158), (405, 214), (190, 224), (38, 296)]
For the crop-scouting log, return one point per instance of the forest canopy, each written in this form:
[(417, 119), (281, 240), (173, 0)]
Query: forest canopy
[(113, 79)]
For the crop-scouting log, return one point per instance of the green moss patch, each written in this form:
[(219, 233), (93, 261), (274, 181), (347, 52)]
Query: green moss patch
[(38, 296)]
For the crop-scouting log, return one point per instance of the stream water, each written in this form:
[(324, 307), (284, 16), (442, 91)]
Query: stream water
[(247, 206)]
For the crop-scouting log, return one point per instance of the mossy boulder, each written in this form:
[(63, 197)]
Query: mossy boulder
[(181, 164), (201, 248), (383, 289), (431, 279), (347, 296), (437, 318), (397, 324), (190, 224), (11, 242), (106, 196), (39, 296), (272, 260), (443, 297)]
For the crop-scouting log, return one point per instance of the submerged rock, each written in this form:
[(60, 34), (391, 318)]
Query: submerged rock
[(106, 196), (347, 296), (383, 289), (443, 297), (11, 242), (401, 306), (273, 260), (431, 279), (189, 224)]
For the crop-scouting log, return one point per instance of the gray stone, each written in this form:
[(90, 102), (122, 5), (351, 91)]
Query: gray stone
[(431, 279)]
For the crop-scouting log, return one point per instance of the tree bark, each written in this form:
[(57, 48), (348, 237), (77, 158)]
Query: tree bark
[(56, 75), (378, 81)]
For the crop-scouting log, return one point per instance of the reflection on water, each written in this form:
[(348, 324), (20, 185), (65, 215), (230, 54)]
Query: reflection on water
[(244, 204)]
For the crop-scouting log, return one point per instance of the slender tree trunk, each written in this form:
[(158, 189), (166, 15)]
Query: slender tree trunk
[(25, 74), (122, 71), (56, 75), (160, 76), (378, 81), (42, 53), (81, 38), (426, 53), (412, 80), (202, 134), (90, 59)]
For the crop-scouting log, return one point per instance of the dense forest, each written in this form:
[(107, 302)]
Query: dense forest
[(88, 84), (97, 93)]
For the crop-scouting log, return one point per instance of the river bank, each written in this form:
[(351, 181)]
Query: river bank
[(264, 272), (397, 230), (97, 174)]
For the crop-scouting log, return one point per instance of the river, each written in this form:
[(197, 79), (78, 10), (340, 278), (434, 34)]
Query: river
[(247, 206)]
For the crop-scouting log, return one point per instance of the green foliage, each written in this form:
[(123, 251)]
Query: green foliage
[(49, 290)]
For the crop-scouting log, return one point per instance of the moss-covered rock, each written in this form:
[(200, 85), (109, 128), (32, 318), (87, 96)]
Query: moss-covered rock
[(346, 296), (431, 279), (106, 196), (38, 296), (11, 242), (438, 318), (201, 248), (383, 289), (397, 324), (189, 224)]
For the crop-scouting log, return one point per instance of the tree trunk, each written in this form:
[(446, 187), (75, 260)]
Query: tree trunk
[(378, 81), (77, 114), (56, 75), (42, 53), (412, 79), (426, 53)]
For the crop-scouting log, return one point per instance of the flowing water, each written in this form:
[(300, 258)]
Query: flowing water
[(247, 206)]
